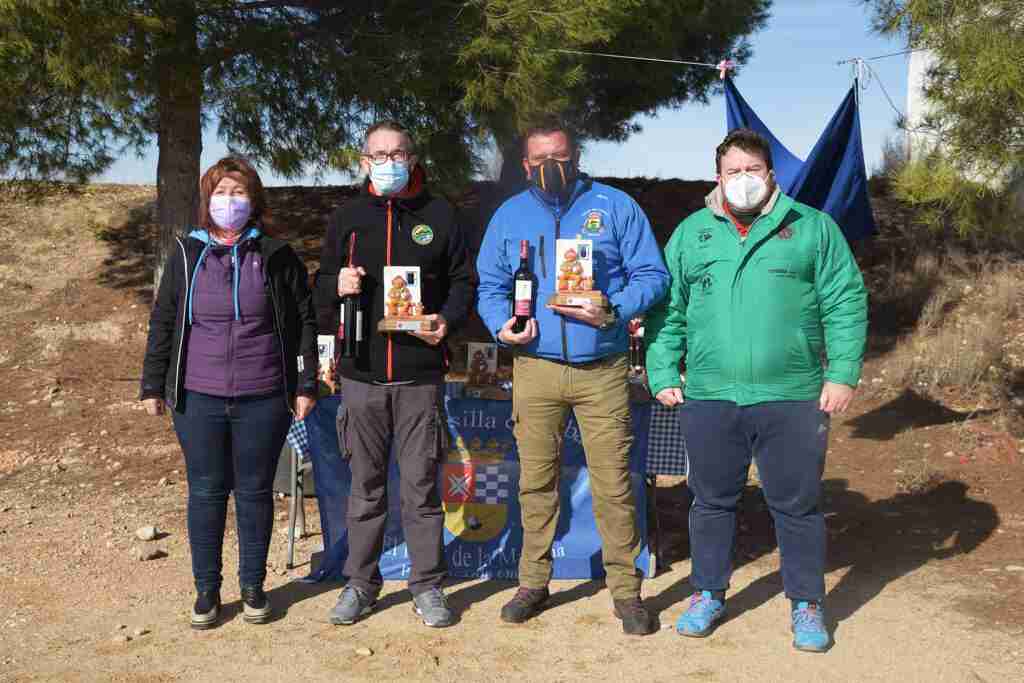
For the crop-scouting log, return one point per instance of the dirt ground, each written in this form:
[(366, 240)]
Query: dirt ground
[(923, 503)]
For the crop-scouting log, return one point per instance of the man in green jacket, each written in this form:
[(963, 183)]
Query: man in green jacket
[(762, 288)]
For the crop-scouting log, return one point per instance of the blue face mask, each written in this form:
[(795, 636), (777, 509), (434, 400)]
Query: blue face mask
[(389, 178)]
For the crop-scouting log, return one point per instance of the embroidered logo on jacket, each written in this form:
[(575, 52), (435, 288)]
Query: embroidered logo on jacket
[(594, 223), (422, 234), (706, 283)]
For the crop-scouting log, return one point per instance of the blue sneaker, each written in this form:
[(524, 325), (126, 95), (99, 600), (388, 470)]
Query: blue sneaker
[(699, 618), (809, 632)]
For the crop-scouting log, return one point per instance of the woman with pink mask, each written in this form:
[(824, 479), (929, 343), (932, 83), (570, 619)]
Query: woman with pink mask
[(232, 353)]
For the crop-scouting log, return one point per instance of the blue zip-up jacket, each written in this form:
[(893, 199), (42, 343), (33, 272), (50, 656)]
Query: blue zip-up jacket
[(628, 266)]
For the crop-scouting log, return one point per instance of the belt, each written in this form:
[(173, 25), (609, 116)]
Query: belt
[(603, 360)]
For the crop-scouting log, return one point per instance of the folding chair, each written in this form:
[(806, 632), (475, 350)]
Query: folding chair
[(298, 467), (666, 455), (294, 468), (653, 522)]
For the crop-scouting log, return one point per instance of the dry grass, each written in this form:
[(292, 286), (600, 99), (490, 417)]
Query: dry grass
[(934, 310), (50, 233), (950, 356), (916, 282), (1005, 294), (903, 286), (959, 336), (918, 477), (962, 355)]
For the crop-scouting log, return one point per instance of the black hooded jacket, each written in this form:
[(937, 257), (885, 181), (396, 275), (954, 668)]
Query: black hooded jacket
[(411, 229), (294, 319)]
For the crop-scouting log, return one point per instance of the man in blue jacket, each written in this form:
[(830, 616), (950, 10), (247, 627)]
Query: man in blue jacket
[(572, 358)]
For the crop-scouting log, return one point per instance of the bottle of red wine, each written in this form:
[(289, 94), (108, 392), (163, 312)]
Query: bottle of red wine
[(350, 327), (522, 307), (636, 344)]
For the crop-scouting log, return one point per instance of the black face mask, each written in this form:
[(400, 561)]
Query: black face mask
[(555, 177)]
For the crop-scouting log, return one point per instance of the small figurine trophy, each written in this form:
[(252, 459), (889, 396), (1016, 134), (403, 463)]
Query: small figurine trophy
[(326, 373), (403, 307), (575, 275), (483, 377)]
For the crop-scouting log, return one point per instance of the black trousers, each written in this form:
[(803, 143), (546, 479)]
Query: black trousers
[(410, 418)]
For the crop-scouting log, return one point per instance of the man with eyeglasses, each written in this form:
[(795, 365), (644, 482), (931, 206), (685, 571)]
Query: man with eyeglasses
[(572, 358), (393, 388)]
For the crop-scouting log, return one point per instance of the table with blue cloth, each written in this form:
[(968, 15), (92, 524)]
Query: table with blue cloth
[(478, 479)]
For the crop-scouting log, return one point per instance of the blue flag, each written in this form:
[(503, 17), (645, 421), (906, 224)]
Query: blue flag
[(833, 178)]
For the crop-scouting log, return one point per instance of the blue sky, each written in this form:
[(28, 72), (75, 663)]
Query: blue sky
[(792, 82)]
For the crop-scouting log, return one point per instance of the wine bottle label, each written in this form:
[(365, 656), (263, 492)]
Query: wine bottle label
[(359, 325), (524, 297)]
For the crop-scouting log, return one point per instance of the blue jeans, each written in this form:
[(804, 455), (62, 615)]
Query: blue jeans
[(788, 440), (230, 444)]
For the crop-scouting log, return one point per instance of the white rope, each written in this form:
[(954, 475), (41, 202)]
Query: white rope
[(871, 59), (639, 59), (862, 71), (874, 74)]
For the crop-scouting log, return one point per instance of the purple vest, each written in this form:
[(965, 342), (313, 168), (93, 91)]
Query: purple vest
[(229, 357)]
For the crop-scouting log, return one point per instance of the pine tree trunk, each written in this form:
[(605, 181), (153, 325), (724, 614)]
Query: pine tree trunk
[(179, 135), (513, 176)]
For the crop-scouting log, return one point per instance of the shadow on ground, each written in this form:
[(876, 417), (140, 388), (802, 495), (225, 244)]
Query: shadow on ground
[(876, 542), (908, 411), (130, 263)]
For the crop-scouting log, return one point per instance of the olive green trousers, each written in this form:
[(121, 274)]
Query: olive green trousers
[(543, 392)]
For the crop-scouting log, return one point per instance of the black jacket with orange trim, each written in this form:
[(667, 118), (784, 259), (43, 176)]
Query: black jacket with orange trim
[(412, 229)]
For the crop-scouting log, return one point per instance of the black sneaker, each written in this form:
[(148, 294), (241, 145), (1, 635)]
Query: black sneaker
[(206, 611), (636, 620), (255, 605), (527, 603)]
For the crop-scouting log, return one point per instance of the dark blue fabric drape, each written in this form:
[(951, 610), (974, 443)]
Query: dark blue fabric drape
[(833, 178)]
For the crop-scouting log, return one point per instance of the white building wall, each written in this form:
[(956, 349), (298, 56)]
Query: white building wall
[(919, 142), (918, 106)]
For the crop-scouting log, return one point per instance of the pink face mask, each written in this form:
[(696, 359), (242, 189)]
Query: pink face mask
[(230, 213)]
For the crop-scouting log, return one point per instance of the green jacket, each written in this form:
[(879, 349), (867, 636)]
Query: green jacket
[(752, 317)]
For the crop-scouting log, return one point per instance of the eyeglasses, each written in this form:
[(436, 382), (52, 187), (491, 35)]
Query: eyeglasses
[(378, 158)]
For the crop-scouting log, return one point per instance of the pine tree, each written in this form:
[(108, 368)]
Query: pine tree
[(294, 83), (976, 87), (517, 75), (965, 177)]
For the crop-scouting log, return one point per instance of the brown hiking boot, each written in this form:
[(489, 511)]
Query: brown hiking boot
[(526, 603), (636, 620)]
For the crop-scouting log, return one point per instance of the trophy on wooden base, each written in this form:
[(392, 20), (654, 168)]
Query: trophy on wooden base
[(403, 307), (326, 372), (483, 378), (575, 275)]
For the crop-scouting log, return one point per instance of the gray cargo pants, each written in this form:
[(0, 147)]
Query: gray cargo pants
[(371, 419)]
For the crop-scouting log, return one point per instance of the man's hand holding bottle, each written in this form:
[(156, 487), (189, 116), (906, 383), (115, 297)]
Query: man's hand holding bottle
[(350, 281), (507, 336)]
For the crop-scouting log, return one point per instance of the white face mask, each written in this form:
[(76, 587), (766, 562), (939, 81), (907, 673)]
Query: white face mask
[(745, 192)]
